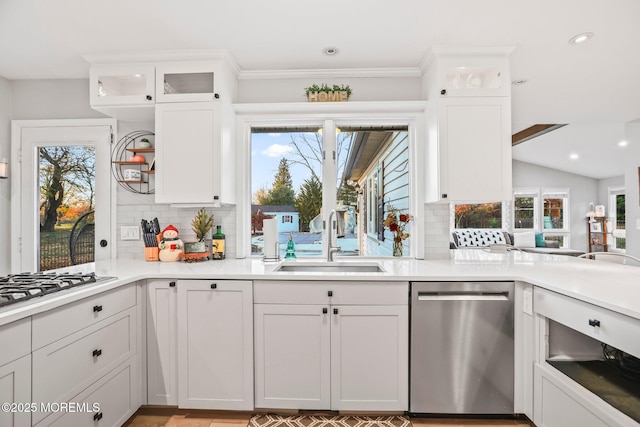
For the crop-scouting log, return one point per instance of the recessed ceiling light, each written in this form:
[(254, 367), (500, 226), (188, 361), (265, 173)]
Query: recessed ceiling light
[(520, 82), (580, 38), (573, 156), (622, 143), (330, 51)]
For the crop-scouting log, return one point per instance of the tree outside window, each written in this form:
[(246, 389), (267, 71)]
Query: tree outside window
[(481, 215)]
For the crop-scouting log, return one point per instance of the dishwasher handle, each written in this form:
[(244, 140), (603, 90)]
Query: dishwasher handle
[(463, 296)]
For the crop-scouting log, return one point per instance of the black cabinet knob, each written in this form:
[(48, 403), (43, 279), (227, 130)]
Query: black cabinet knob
[(103, 243), (172, 284), (330, 293), (97, 417), (214, 285), (97, 308), (444, 195), (97, 352), (149, 97), (324, 310), (335, 311), (594, 322), (443, 92), (216, 96)]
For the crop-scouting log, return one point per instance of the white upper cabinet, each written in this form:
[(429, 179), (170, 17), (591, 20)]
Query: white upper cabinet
[(186, 82), (132, 84), (469, 125)]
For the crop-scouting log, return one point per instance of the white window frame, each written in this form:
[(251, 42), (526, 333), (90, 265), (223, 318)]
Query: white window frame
[(612, 229), (527, 192), (410, 114), (565, 231)]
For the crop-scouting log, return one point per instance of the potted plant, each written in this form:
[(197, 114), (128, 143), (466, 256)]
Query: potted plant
[(326, 93), (201, 225)]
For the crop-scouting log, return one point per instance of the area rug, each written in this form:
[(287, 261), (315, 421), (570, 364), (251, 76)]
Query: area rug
[(272, 420)]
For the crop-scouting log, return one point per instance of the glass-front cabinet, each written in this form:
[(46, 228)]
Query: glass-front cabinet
[(185, 82), (131, 84)]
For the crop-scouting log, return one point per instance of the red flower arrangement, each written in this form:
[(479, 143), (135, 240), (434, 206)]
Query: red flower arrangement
[(397, 223)]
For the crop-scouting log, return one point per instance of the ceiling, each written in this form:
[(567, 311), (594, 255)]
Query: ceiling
[(593, 85)]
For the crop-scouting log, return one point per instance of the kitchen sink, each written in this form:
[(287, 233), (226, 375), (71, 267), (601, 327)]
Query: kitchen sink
[(331, 267)]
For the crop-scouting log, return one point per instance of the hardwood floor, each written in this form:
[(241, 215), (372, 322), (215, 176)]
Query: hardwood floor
[(174, 417)]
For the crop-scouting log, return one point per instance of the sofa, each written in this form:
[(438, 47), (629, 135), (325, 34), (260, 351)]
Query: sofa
[(527, 241)]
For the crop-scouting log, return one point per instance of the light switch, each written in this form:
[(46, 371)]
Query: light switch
[(129, 232)]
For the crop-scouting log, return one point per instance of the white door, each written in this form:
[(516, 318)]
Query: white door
[(292, 356), (369, 358), (215, 344), (36, 141)]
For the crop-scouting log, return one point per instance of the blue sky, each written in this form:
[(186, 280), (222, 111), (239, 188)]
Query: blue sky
[(266, 151)]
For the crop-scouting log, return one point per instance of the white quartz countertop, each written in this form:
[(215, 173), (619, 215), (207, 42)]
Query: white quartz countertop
[(609, 285)]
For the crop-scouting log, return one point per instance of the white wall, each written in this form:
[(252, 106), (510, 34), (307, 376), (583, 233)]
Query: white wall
[(51, 99), (603, 190), (5, 185), (632, 199), (364, 89), (582, 191)]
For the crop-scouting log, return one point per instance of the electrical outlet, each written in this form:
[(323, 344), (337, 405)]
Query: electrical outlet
[(129, 232)]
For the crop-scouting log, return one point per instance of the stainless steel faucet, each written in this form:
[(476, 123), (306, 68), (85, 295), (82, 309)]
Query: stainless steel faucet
[(331, 249)]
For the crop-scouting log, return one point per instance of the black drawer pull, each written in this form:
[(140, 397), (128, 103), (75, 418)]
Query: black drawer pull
[(97, 352), (335, 311), (324, 310), (214, 285), (172, 284), (330, 293), (97, 308), (594, 322), (97, 417)]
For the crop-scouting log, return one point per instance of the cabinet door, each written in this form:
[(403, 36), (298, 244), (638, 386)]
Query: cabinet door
[(186, 82), (369, 358), (126, 85), (475, 149), (162, 343), (292, 356), (215, 344), (187, 146), (15, 387)]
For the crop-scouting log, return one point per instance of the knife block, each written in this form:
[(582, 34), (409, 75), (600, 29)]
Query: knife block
[(152, 254)]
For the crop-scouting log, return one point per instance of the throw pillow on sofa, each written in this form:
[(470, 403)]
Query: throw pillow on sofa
[(526, 239), (540, 240)]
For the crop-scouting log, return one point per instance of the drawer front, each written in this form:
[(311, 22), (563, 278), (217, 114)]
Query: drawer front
[(331, 292), (55, 324), (68, 366), (17, 333), (599, 323), (106, 403)]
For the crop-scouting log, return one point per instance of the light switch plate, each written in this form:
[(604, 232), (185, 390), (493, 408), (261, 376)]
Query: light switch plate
[(129, 232)]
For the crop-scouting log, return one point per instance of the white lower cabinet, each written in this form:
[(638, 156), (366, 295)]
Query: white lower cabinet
[(570, 334), (293, 360), (15, 388), (215, 344), (110, 401), (162, 342), (327, 346)]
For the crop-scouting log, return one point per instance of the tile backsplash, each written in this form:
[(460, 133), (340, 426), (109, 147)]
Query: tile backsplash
[(436, 231), (130, 214)]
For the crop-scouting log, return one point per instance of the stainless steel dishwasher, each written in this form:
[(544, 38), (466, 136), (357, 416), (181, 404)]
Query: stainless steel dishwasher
[(462, 348)]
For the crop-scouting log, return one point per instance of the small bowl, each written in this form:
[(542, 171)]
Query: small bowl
[(144, 143)]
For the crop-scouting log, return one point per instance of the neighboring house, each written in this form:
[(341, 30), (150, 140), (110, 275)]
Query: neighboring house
[(287, 216), (383, 175)]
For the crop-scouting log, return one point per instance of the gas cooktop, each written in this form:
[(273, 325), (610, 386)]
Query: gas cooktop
[(20, 287)]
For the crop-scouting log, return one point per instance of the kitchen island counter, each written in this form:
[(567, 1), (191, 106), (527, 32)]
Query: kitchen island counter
[(612, 286)]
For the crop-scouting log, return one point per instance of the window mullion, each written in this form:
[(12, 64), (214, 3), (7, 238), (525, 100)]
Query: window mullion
[(329, 178)]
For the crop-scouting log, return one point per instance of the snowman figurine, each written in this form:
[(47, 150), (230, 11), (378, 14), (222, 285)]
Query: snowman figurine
[(170, 245)]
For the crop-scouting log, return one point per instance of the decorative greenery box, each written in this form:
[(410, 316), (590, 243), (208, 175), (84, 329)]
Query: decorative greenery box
[(326, 93)]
